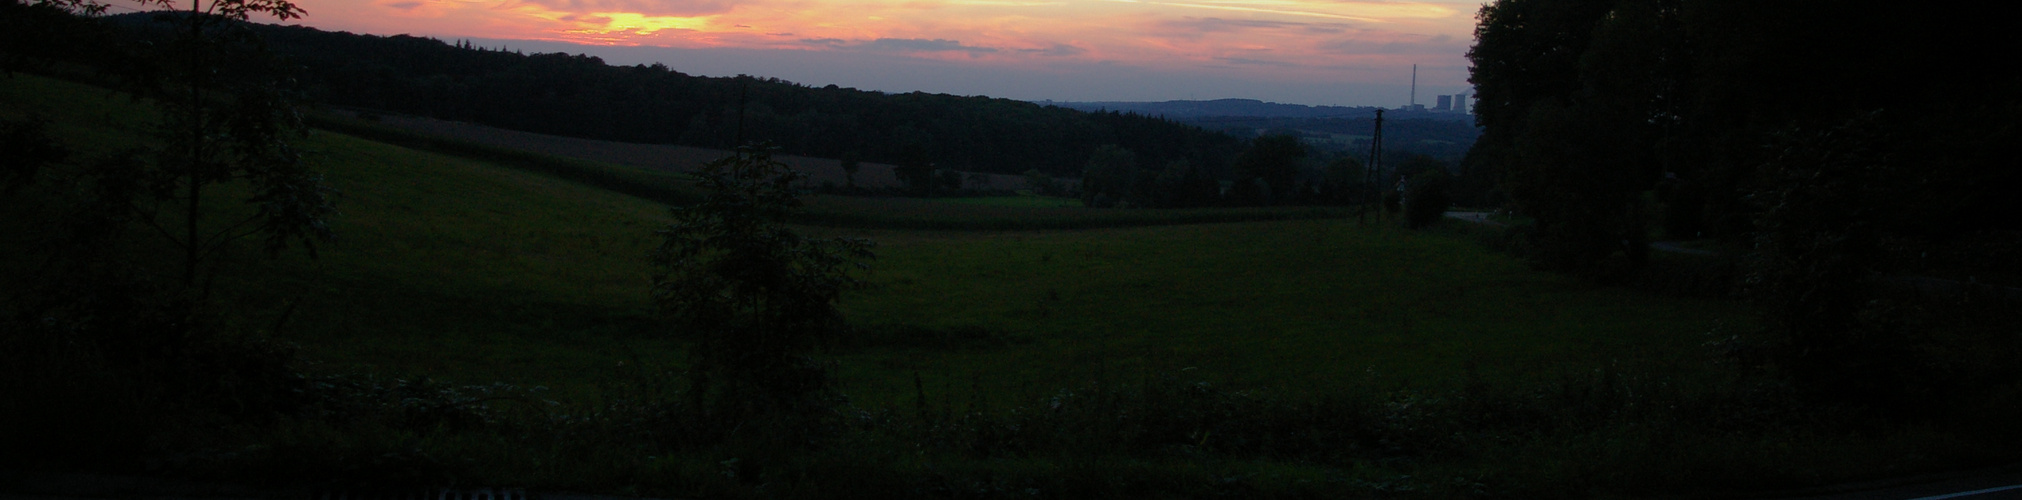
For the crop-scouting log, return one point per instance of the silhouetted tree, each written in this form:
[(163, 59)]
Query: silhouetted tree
[(850, 164), (754, 294), (224, 119), (103, 354), (26, 146), (1575, 159), (948, 181), (1041, 184), (916, 171), (1342, 182), (1273, 159), (37, 32), (1109, 176), (1183, 185), (1426, 192)]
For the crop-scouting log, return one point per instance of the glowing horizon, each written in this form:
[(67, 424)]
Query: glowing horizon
[(1286, 43)]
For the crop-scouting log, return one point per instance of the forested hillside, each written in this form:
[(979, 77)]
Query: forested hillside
[(581, 96), (1252, 108)]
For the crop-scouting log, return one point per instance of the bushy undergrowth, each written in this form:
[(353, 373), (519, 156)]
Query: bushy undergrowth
[(1860, 351), (1677, 275), (1842, 332), (1613, 432), (1618, 430), (104, 368)]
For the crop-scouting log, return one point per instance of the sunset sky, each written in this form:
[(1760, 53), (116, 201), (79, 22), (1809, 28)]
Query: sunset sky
[(1296, 51)]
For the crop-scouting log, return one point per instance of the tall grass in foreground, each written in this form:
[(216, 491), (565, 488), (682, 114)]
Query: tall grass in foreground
[(1619, 432)]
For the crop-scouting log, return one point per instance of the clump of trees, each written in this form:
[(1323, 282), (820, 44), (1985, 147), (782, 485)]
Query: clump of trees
[(1844, 160), (1272, 164), (1427, 191), (109, 344)]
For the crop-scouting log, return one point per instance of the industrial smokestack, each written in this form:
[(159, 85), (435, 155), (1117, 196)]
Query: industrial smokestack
[(1414, 87)]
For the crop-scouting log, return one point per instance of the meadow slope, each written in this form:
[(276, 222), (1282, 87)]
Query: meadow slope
[(467, 271), (1148, 353)]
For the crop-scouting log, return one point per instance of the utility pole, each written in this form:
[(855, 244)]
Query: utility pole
[(1373, 177), (743, 87)]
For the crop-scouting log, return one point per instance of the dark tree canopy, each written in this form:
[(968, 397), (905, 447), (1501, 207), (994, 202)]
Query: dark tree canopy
[(1110, 177), (1273, 160), (1588, 104), (582, 96), (754, 294), (1845, 144)]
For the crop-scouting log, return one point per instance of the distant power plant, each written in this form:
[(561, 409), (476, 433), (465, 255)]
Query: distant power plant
[(1456, 103)]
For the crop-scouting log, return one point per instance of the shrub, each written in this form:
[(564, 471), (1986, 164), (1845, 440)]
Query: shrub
[(1426, 198), (754, 294), (106, 364), (1821, 239)]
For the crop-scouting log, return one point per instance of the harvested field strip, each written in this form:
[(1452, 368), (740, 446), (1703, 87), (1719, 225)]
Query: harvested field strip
[(660, 157), (937, 214), (664, 186)]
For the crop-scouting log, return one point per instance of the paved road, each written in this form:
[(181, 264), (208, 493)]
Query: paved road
[(1475, 217), (1661, 246), (1995, 483)]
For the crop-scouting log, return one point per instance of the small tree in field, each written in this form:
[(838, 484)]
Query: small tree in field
[(103, 357), (850, 164), (225, 119), (755, 295)]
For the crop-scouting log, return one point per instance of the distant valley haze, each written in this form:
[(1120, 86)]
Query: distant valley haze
[(1307, 52)]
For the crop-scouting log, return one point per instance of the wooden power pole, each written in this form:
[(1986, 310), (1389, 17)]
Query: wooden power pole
[(1373, 176)]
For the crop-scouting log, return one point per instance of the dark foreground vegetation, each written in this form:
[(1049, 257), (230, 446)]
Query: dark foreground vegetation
[(1856, 182), (485, 318)]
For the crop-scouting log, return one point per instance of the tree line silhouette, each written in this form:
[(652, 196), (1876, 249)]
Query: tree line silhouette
[(582, 96)]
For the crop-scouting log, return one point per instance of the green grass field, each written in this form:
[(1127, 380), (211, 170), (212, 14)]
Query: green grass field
[(475, 272), (470, 272), (465, 271), (1304, 306)]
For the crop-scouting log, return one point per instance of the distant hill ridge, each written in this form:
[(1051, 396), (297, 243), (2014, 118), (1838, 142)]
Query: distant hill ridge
[(581, 96), (1185, 110)]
